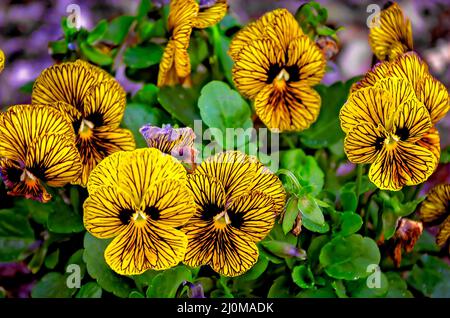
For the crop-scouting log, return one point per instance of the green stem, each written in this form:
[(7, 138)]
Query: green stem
[(289, 141), (359, 173), (291, 177)]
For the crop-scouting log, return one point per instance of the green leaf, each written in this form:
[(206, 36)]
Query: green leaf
[(222, 107), (151, 29), (16, 236), (349, 223), (339, 288), (445, 155), (145, 279), (303, 277), (97, 32), (256, 271), (143, 56), (324, 292), (349, 201), (138, 115), (52, 260), (198, 51), (310, 209), (77, 259), (349, 257), (58, 47), (311, 213), (90, 290), (326, 130), (52, 285), (360, 288), (97, 268), (283, 249), (148, 95), (397, 286), (280, 288), (325, 31), (95, 55), (290, 215), (63, 219), (314, 227), (426, 243), (136, 294), (38, 211), (431, 277), (143, 8), (118, 29), (181, 103), (305, 168), (314, 249), (166, 284)]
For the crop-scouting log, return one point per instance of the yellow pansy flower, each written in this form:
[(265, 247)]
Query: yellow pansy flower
[(237, 200), (37, 147), (139, 198), (432, 93), (94, 102), (393, 36), (436, 210), (383, 124), (276, 65), (184, 15)]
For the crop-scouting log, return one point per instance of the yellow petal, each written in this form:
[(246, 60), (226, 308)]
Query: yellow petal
[(309, 59), (252, 71), (106, 173), (269, 184), (367, 105), (400, 89), (211, 15), (431, 141), (293, 108), (102, 142), (20, 183), (54, 159), (444, 232), (234, 254), (412, 121), (405, 164), (232, 169), (363, 143), (435, 96), (208, 194), (435, 205), (67, 82), (22, 124), (169, 203), (394, 34), (139, 248), (104, 104), (145, 167), (108, 211), (254, 214), (2, 60), (378, 72), (411, 67)]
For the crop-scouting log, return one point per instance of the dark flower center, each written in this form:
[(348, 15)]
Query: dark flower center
[(237, 219), (125, 216), (210, 211), (402, 133), (275, 69), (153, 212)]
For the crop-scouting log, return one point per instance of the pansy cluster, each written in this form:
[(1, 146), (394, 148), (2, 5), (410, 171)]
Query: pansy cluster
[(390, 115)]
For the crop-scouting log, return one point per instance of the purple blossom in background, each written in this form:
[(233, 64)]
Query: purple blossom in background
[(195, 290)]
